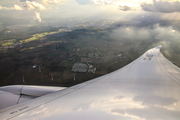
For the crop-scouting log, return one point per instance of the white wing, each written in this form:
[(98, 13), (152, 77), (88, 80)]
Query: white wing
[(148, 88)]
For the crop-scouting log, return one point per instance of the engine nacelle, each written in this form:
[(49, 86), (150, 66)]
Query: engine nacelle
[(15, 94)]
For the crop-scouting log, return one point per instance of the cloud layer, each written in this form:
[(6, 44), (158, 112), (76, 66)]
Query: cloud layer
[(165, 7), (146, 33)]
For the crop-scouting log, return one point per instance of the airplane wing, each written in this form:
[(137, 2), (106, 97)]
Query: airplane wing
[(146, 89)]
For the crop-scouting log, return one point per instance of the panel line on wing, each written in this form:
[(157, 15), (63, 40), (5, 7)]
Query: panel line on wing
[(172, 67), (164, 71)]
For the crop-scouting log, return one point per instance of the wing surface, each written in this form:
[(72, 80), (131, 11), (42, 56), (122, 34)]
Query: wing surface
[(148, 88)]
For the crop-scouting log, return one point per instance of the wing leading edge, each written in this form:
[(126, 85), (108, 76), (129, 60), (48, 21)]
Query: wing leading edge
[(147, 88)]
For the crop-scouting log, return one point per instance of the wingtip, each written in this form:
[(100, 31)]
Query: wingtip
[(159, 47)]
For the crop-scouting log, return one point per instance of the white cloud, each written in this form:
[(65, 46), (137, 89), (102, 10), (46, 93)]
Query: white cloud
[(16, 7), (33, 5), (141, 34), (38, 16)]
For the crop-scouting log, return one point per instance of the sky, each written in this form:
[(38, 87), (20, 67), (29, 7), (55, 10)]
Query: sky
[(39, 9)]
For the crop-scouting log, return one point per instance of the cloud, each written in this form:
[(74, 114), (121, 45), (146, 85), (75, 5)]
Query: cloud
[(33, 5), (133, 33), (82, 106), (119, 97), (150, 113), (38, 16), (16, 7), (96, 2), (154, 100), (124, 8), (165, 7), (106, 2), (147, 7)]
